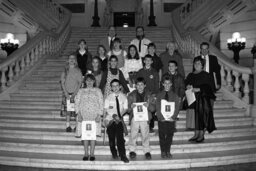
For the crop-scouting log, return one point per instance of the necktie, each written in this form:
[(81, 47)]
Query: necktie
[(166, 97), (118, 107), (111, 43), (140, 46)]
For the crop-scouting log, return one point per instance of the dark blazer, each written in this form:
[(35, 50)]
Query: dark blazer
[(105, 43), (84, 61), (214, 67)]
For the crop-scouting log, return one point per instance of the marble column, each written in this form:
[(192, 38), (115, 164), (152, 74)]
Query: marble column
[(96, 17), (151, 17)]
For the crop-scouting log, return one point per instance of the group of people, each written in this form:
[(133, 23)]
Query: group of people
[(114, 80)]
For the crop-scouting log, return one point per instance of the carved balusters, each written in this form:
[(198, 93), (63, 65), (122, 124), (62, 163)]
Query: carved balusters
[(32, 62), (229, 79), (246, 89), (222, 74), (10, 74), (3, 78), (36, 53), (236, 84), (27, 61), (22, 65), (17, 69)]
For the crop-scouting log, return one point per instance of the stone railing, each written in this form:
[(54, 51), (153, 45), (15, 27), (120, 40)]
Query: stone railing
[(235, 78), (189, 7), (42, 45)]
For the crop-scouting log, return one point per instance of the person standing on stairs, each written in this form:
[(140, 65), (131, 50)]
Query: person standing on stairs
[(71, 81), (108, 41), (116, 105), (172, 53), (102, 54), (166, 125), (202, 85), (84, 57), (118, 51), (89, 107), (141, 42)]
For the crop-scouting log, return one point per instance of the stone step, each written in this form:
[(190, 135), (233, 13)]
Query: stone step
[(42, 86), (37, 94), (43, 81), (9, 111), (30, 105)]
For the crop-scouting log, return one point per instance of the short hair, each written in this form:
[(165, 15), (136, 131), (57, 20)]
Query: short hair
[(204, 43), (148, 56), (140, 80), (199, 58), (152, 45), (166, 78), (117, 39), (115, 81), (113, 57), (137, 57), (89, 76), (103, 47), (173, 62), (81, 40), (138, 27)]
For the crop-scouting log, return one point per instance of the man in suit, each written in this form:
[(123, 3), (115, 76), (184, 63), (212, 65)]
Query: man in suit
[(211, 65), (108, 41)]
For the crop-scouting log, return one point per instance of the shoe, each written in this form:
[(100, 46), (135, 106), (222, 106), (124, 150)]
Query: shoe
[(68, 129), (193, 139), (168, 155), (85, 158), (163, 155), (132, 155), (92, 158), (124, 159), (114, 156), (151, 130), (200, 140), (74, 130), (148, 156)]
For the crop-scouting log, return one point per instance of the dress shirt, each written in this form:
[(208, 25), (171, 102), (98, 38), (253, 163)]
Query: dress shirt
[(207, 67), (144, 45)]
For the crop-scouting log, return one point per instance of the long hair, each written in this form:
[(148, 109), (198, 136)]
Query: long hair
[(119, 41), (103, 47), (137, 57), (99, 67)]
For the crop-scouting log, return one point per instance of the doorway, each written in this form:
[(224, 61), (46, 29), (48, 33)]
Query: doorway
[(124, 18)]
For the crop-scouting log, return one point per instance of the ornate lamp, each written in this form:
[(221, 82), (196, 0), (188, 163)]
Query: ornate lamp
[(236, 43), (9, 44)]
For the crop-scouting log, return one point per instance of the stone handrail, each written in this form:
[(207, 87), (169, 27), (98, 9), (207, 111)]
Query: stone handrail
[(189, 41), (42, 45)]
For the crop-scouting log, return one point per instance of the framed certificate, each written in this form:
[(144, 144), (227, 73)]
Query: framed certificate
[(167, 109), (190, 95), (140, 112), (70, 106), (88, 130)]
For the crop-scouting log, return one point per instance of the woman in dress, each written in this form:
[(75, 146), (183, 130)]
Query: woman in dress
[(202, 85), (89, 106)]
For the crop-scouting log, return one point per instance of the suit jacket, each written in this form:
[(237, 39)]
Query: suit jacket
[(105, 43), (214, 67)]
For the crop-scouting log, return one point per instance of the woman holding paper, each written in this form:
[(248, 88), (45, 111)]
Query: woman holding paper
[(89, 106), (200, 83)]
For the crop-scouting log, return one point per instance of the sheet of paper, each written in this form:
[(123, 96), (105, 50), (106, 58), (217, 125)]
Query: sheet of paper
[(88, 130), (191, 98), (140, 112), (70, 106), (167, 109)]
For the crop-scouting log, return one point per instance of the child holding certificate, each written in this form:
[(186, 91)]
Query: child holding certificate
[(140, 106), (115, 107), (89, 106), (167, 109), (71, 81)]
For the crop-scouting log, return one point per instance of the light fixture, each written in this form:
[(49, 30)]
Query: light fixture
[(236, 43), (125, 25), (9, 44)]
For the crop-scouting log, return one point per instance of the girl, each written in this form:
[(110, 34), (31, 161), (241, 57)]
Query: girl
[(101, 52), (132, 65), (112, 73), (84, 58), (89, 106), (96, 70), (202, 85), (71, 80), (118, 52)]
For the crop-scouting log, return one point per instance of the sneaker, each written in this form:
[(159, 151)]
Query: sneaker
[(92, 158), (114, 156), (148, 156), (163, 155), (74, 130), (85, 158), (132, 155), (124, 159), (151, 130), (68, 129), (168, 155)]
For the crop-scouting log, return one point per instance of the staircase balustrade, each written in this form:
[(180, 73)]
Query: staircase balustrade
[(235, 78), (42, 45)]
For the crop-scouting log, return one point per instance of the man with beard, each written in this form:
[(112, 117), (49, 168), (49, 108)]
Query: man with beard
[(141, 42), (108, 42)]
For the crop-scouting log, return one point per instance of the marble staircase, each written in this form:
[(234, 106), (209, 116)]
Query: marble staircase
[(32, 133)]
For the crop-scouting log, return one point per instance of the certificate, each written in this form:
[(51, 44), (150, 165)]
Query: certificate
[(191, 98), (140, 112), (167, 109), (70, 106), (88, 130)]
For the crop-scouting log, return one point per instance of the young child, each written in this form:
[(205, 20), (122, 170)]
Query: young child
[(166, 127), (71, 81), (140, 95), (89, 106), (115, 107), (152, 81), (178, 84)]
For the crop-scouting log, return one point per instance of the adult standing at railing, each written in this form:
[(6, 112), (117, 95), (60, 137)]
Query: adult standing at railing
[(108, 41)]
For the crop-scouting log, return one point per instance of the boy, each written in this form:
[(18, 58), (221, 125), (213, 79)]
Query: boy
[(166, 126), (137, 96), (152, 81), (178, 85), (115, 107)]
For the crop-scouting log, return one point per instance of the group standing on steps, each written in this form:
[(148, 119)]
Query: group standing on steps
[(118, 80)]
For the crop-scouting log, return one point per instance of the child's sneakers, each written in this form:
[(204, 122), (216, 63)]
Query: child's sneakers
[(132, 155), (68, 129), (148, 156)]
